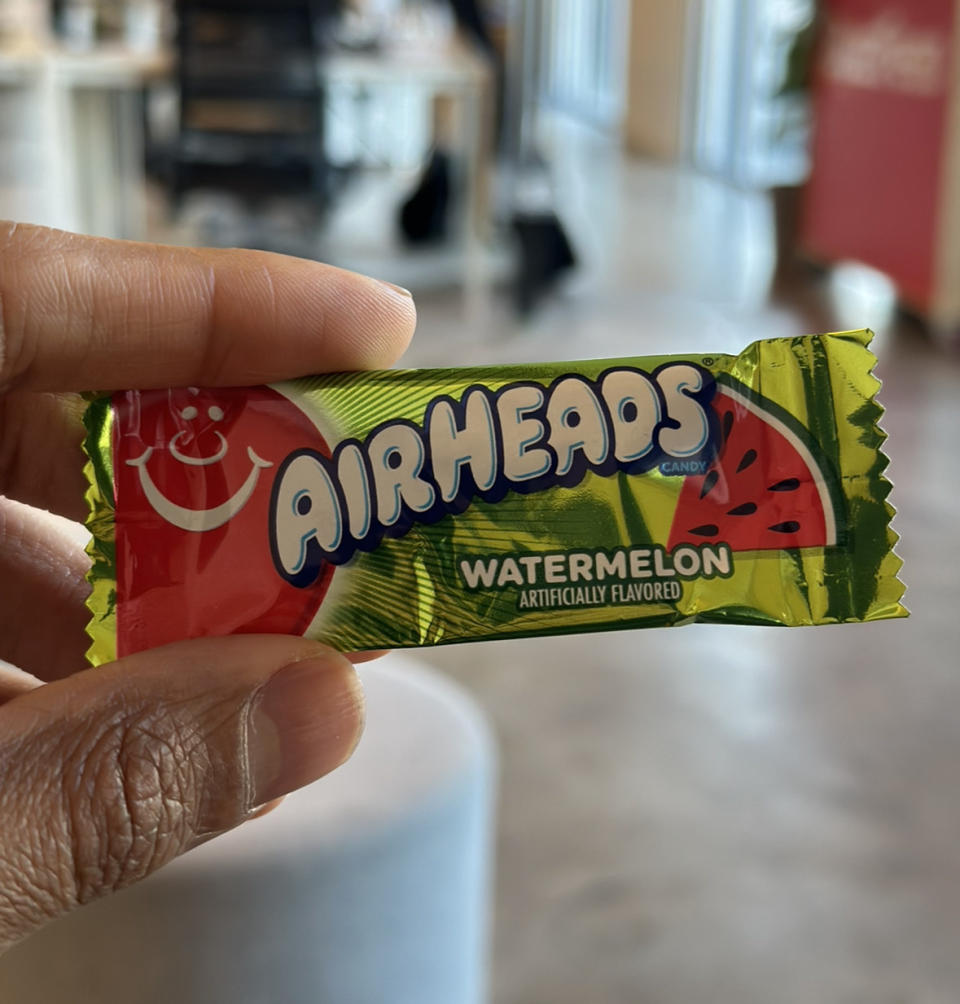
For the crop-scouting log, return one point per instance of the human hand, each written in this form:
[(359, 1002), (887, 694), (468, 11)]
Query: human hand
[(106, 774)]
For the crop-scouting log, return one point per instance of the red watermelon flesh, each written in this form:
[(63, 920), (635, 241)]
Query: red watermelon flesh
[(194, 471), (763, 491)]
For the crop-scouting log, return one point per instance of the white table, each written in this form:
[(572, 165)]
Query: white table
[(96, 102), (75, 118)]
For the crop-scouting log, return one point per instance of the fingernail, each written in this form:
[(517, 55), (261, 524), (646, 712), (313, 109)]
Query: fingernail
[(264, 810), (397, 289), (305, 721)]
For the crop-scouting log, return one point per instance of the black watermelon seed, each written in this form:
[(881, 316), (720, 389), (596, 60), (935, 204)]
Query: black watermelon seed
[(746, 460), (727, 425), (747, 509), (708, 482), (707, 530), (791, 526), (787, 485)]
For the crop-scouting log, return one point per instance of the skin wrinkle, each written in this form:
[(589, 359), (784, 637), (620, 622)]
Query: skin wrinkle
[(205, 302), (38, 460), (76, 753), (104, 302), (10, 900), (40, 866), (33, 869), (11, 531), (111, 841), (52, 297), (27, 895), (65, 295), (172, 302), (158, 799), (216, 350), (52, 477), (371, 346), (155, 795), (5, 326), (45, 545), (196, 287), (208, 308), (148, 804), (42, 561), (272, 293), (189, 290), (133, 804), (247, 291), (194, 743), (89, 327)]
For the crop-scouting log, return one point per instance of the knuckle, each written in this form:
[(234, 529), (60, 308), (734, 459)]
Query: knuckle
[(134, 801), (88, 810), (11, 342), (35, 292)]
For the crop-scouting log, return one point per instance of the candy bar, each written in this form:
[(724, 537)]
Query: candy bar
[(421, 507)]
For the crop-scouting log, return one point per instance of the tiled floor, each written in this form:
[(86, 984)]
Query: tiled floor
[(726, 815)]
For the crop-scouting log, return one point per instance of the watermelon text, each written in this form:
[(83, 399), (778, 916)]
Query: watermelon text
[(622, 564)]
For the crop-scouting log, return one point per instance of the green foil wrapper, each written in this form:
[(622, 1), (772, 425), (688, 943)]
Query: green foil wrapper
[(406, 508)]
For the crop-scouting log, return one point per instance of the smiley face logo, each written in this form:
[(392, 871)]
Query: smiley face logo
[(198, 520), (194, 470)]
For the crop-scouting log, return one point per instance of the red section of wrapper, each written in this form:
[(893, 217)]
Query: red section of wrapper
[(195, 559)]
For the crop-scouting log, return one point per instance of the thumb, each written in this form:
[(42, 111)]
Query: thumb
[(109, 774)]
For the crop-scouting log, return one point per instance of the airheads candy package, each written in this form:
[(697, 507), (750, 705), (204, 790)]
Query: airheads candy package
[(383, 509)]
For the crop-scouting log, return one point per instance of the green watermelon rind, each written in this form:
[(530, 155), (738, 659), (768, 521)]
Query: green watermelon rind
[(831, 495)]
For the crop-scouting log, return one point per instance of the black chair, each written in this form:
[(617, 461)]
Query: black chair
[(251, 98)]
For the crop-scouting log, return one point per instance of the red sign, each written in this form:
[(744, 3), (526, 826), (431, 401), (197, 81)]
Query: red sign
[(880, 106)]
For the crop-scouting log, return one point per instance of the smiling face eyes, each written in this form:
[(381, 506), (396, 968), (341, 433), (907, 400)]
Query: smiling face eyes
[(195, 429), (214, 413)]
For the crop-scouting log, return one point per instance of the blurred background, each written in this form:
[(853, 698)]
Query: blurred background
[(709, 814)]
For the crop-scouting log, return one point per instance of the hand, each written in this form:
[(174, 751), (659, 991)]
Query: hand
[(106, 774)]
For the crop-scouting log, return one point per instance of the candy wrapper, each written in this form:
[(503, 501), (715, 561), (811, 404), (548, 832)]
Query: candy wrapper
[(401, 508)]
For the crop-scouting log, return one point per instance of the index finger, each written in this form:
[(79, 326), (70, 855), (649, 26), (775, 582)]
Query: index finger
[(84, 313)]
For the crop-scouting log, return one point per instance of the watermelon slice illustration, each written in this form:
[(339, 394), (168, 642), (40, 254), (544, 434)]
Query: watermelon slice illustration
[(768, 487), (194, 471)]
